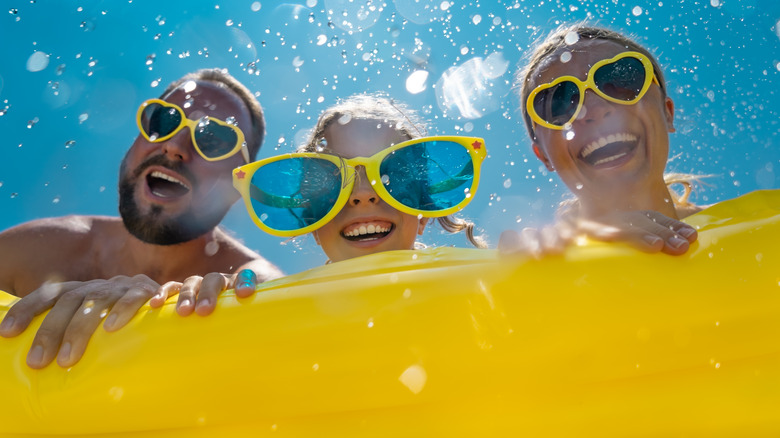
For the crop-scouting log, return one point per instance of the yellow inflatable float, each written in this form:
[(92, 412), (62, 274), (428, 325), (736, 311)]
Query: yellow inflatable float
[(602, 341)]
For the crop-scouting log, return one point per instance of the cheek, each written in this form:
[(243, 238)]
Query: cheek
[(408, 233)]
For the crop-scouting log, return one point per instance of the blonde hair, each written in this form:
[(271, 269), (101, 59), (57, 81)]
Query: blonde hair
[(393, 113)]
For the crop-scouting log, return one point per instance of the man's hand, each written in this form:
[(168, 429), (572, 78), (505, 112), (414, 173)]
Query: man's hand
[(77, 308)]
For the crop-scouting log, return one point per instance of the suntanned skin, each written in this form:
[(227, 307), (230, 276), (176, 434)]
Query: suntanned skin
[(82, 248), (72, 263)]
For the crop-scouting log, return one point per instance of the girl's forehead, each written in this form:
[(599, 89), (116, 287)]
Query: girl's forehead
[(575, 59), (360, 137)]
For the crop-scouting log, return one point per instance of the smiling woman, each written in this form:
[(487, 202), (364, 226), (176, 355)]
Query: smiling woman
[(597, 111)]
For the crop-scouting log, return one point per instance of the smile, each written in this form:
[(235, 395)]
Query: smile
[(166, 186), (365, 231), (609, 148)]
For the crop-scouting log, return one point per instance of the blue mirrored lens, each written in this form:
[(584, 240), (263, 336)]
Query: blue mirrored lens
[(429, 176), (294, 193)]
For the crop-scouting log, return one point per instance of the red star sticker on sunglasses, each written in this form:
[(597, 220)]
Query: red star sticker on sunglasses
[(477, 145), (240, 174)]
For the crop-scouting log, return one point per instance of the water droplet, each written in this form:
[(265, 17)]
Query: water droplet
[(229, 23), (69, 143), (60, 70), (385, 179), (31, 123), (507, 183), (715, 3), (256, 6), (578, 186), (150, 59), (414, 378), (315, 367), (321, 40), (37, 61), (407, 293), (571, 38), (263, 217), (297, 62), (565, 57), (211, 248), (14, 195), (13, 11), (569, 135), (476, 19), (87, 26), (370, 322), (637, 11)]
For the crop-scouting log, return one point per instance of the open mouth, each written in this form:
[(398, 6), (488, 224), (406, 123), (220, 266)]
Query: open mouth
[(608, 149), (367, 231), (166, 186)]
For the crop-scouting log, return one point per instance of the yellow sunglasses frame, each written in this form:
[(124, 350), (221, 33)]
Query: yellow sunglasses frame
[(192, 124), (589, 84), (242, 176)]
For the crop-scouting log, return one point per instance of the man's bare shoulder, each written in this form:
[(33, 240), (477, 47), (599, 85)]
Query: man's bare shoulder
[(48, 248), (74, 227)]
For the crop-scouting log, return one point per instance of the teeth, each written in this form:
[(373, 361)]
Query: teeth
[(158, 174), (601, 142), (367, 229)]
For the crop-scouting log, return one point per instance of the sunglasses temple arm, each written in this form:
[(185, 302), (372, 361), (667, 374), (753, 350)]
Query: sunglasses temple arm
[(245, 152)]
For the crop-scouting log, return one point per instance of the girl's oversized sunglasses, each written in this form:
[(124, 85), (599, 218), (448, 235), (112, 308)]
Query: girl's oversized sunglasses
[(294, 194), (623, 79), (213, 139)]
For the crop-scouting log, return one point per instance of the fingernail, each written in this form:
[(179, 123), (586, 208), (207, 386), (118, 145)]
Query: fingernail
[(686, 232), (185, 303), (676, 242), (35, 356), (204, 303), (245, 285), (110, 321), (7, 324), (652, 240), (64, 354), (246, 278)]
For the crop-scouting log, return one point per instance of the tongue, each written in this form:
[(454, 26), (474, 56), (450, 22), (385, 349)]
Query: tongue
[(166, 189)]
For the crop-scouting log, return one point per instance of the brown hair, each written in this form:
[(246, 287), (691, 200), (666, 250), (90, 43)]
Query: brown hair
[(396, 114), (558, 39), (222, 78)]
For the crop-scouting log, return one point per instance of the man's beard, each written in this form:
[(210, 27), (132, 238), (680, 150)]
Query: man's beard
[(152, 227)]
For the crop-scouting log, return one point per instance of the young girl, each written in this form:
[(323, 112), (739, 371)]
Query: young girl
[(596, 109), (379, 202)]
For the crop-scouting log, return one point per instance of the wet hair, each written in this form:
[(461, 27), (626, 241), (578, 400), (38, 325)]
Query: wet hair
[(557, 40), (223, 79), (393, 113)]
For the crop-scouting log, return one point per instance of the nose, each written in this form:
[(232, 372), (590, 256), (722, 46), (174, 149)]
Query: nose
[(594, 108), (362, 192), (179, 147)]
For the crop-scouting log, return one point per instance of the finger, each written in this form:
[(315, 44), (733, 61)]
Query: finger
[(169, 289), (246, 283), (127, 307), (531, 242), (553, 241), (509, 242), (84, 323), (48, 338), (187, 293), (210, 287), (19, 316)]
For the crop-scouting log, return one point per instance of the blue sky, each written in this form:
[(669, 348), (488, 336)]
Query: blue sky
[(73, 74)]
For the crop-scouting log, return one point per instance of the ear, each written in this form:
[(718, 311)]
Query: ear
[(316, 237), (541, 156), (669, 114), (421, 226)]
